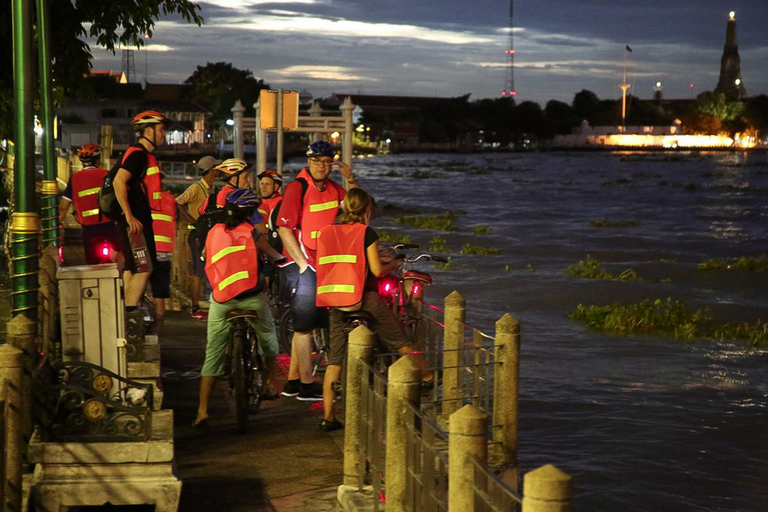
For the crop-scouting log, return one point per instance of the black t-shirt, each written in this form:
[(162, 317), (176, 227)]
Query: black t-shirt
[(370, 280), (136, 164)]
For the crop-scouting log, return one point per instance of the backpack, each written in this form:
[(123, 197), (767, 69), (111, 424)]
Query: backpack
[(211, 216), (108, 204)]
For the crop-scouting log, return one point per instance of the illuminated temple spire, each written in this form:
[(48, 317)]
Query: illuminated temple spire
[(730, 82)]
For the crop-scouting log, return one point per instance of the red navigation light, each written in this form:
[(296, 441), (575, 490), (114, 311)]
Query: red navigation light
[(511, 52), (512, 93), (503, 93), (691, 85)]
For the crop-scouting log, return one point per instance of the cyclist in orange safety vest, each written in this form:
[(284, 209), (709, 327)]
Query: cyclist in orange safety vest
[(270, 182), (232, 266), (310, 203), (164, 227), (99, 234), (348, 263)]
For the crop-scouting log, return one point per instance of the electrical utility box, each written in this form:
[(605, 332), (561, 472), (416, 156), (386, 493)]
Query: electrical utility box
[(92, 325)]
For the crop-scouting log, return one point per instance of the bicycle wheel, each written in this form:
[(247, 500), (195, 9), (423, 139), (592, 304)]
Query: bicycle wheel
[(285, 332), (254, 377), (238, 377)]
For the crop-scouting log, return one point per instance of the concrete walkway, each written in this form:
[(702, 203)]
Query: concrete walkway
[(284, 463)]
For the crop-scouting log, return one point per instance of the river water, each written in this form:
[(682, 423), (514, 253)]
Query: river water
[(641, 423)]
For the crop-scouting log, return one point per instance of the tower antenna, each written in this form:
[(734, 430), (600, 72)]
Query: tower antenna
[(129, 66), (509, 84)]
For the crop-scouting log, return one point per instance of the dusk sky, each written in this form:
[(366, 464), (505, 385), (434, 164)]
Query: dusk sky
[(452, 47)]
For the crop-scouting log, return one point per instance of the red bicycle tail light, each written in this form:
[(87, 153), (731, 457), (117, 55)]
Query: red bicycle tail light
[(387, 287)]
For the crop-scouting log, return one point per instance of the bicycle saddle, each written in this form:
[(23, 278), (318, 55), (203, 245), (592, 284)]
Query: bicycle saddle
[(419, 276), (241, 313), (351, 316)]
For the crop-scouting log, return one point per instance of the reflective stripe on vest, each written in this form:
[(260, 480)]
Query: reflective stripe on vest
[(227, 250), (336, 288), (341, 265), (90, 213), (88, 192), (162, 216), (323, 206), (239, 276), (166, 239)]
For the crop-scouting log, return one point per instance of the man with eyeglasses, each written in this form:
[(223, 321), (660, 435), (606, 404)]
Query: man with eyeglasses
[(310, 203)]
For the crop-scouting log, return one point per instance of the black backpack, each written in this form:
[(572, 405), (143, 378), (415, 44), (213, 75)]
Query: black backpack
[(210, 217), (108, 204)]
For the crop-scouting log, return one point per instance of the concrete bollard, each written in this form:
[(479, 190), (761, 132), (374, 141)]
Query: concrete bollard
[(402, 389), (547, 489), (453, 342), (22, 334), (468, 437), (13, 444), (506, 390), (359, 351)]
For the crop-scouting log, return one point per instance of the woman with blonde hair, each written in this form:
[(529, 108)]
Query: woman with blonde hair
[(348, 264)]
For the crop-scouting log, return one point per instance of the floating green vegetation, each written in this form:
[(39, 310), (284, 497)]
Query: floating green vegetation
[(479, 250), (604, 223), (444, 266), (691, 186), (392, 237), (438, 244), (591, 269), (423, 175), (481, 230), (393, 174), (439, 222), (746, 263), (666, 318)]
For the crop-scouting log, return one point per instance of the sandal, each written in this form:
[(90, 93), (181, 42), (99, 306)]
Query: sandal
[(330, 426)]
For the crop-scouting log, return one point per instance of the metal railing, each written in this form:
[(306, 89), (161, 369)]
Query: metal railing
[(373, 432), (427, 463), (491, 493)]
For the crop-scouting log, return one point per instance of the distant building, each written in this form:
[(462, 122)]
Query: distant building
[(730, 82), (116, 105)]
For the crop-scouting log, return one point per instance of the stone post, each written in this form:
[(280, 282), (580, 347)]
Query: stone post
[(468, 438), (453, 341), (13, 441), (506, 391), (21, 334), (237, 138), (359, 351), (402, 389), (346, 147), (315, 111), (547, 489), (261, 141)]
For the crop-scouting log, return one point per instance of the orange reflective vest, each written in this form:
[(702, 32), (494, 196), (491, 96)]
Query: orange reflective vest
[(319, 209), (341, 265), (151, 178), (85, 196), (221, 199), (231, 261), (268, 206), (164, 223)]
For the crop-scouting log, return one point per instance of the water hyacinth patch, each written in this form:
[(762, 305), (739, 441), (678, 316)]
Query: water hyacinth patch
[(439, 222), (670, 318), (481, 230), (745, 263), (391, 237), (479, 250), (438, 244), (591, 269)]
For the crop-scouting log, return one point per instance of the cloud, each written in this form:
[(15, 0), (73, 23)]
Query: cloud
[(245, 4), (334, 73), (292, 22)]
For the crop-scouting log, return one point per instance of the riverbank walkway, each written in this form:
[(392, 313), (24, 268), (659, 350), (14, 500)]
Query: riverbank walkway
[(284, 463)]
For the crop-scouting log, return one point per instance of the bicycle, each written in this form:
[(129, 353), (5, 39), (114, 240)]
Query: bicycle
[(403, 289), (246, 367)]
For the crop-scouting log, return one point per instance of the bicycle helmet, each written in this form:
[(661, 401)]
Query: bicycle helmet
[(243, 198), (148, 118), (231, 167), (89, 152), (321, 148), (271, 173)]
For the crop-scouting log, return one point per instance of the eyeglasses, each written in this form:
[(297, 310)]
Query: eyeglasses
[(321, 162)]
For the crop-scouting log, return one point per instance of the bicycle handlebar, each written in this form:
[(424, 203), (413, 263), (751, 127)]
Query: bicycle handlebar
[(426, 257), (405, 246)]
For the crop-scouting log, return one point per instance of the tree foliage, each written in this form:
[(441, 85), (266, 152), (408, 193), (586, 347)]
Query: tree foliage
[(111, 22), (218, 85)]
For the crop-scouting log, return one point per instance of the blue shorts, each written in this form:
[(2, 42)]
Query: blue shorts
[(303, 290), (197, 265)]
